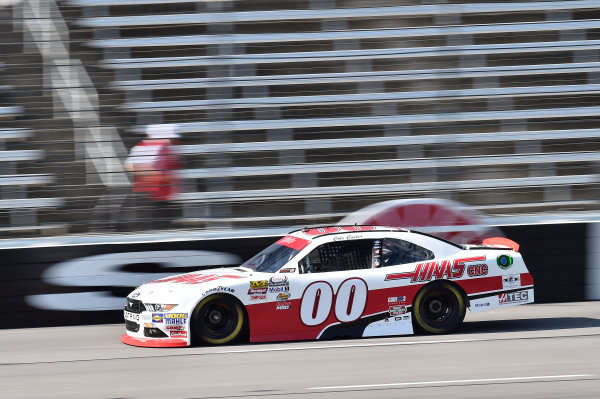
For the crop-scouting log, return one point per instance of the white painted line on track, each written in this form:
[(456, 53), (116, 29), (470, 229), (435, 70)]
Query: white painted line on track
[(179, 352), (507, 379), (397, 343), (310, 347)]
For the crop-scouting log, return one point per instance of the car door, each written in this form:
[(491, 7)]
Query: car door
[(346, 291), (335, 284)]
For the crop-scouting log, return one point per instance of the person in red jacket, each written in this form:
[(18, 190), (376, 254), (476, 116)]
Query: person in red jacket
[(154, 163)]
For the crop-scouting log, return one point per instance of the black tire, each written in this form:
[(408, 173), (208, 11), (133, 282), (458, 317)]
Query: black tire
[(438, 308), (218, 319)]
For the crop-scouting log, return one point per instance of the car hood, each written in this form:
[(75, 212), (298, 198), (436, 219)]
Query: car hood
[(182, 287)]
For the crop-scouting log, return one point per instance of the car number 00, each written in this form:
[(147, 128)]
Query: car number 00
[(317, 301)]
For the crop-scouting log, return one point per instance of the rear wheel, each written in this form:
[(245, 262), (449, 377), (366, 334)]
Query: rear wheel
[(218, 319), (438, 308)]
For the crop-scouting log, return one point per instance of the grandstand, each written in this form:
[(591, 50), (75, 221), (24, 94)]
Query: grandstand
[(298, 112), (24, 206)]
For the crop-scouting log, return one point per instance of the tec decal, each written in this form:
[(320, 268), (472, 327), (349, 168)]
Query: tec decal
[(513, 297), (428, 270)]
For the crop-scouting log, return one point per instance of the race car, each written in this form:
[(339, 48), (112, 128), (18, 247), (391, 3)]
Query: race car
[(331, 281)]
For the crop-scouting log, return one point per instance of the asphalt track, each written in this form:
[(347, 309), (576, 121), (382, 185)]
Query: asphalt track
[(532, 351)]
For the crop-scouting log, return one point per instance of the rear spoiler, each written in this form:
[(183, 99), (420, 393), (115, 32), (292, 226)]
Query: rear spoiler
[(501, 242)]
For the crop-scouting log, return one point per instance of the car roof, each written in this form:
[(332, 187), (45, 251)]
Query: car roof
[(308, 234), (319, 231)]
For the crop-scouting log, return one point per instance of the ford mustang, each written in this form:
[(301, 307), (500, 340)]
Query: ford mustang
[(333, 281)]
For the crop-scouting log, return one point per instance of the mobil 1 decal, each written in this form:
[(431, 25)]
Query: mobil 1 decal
[(348, 303), (445, 269)]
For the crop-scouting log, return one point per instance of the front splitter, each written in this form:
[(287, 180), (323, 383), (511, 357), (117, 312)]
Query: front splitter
[(153, 342)]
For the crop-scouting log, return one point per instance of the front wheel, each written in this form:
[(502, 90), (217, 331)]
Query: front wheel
[(218, 319), (438, 308)]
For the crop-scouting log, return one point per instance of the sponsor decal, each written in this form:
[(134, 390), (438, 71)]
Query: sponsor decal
[(477, 270), (482, 305), (284, 296), (276, 290), (428, 270), (397, 310), (193, 278), (511, 281), (278, 280), (256, 291), (175, 327), (158, 317), (218, 289), (176, 315), (376, 262), (175, 322), (179, 334), (513, 297), (146, 317), (135, 294), (288, 270), (258, 297), (504, 261), (283, 305), (396, 300), (259, 284)]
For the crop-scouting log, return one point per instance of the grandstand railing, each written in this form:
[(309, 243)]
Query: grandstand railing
[(319, 14), (354, 77), (378, 189), (508, 136)]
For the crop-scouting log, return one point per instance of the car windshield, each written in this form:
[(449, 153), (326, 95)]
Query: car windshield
[(271, 259)]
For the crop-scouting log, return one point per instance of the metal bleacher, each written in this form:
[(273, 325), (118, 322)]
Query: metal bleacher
[(21, 211), (24, 200), (348, 77), (305, 110)]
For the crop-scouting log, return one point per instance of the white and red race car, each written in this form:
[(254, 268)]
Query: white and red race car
[(321, 283)]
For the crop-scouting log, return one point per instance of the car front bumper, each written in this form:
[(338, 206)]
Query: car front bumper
[(152, 329)]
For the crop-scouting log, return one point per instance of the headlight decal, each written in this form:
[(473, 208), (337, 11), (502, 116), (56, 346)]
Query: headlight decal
[(159, 307)]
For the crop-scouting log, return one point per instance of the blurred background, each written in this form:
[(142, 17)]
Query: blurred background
[(296, 112)]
